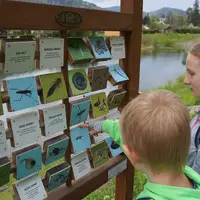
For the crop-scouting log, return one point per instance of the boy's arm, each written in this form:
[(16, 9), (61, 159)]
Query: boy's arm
[(109, 126), (196, 163)]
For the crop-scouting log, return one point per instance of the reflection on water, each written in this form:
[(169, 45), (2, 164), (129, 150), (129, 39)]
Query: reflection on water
[(160, 68)]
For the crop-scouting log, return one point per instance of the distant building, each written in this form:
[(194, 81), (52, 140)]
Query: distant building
[(3, 34), (168, 29), (111, 33), (144, 27)]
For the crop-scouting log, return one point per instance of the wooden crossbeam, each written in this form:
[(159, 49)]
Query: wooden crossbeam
[(85, 185), (32, 16)]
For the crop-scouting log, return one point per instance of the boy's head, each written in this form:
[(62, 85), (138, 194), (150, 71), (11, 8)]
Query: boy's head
[(156, 131)]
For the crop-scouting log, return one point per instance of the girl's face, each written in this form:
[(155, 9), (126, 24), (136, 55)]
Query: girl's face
[(192, 78)]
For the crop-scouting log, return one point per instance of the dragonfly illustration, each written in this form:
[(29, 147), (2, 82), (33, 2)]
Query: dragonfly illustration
[(119, 72), (77, 48)]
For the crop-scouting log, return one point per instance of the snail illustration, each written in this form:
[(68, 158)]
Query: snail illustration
[(114, 145), (57, 151), (30, 163)]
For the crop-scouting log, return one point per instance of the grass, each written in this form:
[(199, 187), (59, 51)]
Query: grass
[(171, 40), (181, 90), (107, 191)]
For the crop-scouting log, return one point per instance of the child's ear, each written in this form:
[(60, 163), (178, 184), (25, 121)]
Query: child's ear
[(131, 154)]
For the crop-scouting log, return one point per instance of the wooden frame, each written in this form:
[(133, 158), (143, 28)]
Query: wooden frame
[(128, 22)]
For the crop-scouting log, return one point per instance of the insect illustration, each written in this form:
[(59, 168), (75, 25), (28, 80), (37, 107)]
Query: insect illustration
[(100, 48), (57, 151), (54, 86), (79, 81), (97, 103), (60, 178), (80, 113), (117, 71), (114, 145), (102, 79), (103, 106), (100, 154), (79, 137), (29, 163), (77, 48), (26, 92)]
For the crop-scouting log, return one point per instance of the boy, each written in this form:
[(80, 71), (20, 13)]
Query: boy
[(155, 129)]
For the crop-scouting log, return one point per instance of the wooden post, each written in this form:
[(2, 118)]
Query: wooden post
[(129, 23), (66, 102), (131, 65), (133, 46)]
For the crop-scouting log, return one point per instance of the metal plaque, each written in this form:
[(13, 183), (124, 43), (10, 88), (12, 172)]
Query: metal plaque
[(117, 47), (80, 164), (26, 129), (54, 119), (68, 18), (3, 141), (51, 53), (31, 188), (19, 57)]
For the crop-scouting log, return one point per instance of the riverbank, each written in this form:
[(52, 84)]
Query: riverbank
[(182, 91), (174, 41)]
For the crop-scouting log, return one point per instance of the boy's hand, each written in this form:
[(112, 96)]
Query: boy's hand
[(91, 131)]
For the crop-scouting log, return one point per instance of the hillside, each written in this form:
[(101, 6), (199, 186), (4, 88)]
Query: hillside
[(113, 8), (157, 13), (80, 3), (73, 3), (165, 11), (85, 4)]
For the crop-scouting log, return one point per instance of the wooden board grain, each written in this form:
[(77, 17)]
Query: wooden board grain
[(24, 16), (87, 184)]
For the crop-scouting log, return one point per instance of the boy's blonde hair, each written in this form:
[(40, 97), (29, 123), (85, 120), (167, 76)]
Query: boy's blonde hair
[(156, 125)]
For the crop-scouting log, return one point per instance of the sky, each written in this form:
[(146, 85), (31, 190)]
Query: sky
[(149, 5)]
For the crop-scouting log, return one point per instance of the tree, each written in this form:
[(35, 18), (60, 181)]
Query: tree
[(163, 16), (195, 17), (176, 20), (189, 15), (146, 19)]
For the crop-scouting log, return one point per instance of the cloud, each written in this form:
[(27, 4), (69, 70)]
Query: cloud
[(105, 3)]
